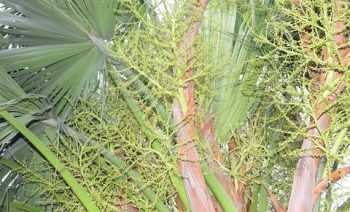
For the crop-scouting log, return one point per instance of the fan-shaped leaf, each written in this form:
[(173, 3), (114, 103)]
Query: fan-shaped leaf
[(55, 46)]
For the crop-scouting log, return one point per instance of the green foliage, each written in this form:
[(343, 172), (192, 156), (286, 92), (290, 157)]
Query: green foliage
[(27, 108), (144, 80), (293, 88), (229, 40), (250, 72), (41, 147), (56, 50), (152, 74), (63, 46), (109, 127)]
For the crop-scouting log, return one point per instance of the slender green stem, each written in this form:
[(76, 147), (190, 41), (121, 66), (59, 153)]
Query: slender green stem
[(218, 190), (115, 161), (152, 135), (255, 193), (263, 201), (81, 193), (120, 164)]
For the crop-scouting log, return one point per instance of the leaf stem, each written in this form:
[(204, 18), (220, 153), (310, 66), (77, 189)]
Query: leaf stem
[(218, 190), (81, 193)]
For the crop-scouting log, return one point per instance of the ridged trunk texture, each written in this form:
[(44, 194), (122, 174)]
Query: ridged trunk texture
[(189, 160)]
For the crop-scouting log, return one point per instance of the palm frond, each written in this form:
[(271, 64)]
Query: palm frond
[(231, 45), (9, 179), (56, 48), (25, 107)]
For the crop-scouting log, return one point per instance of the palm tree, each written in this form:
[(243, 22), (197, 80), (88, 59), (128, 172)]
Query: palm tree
[(156, 105), (60, 56)]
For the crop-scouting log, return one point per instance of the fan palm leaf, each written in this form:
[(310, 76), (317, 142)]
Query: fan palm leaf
[(26, 108), (231, 35), (56, 48), (23, 106), (53, 49)]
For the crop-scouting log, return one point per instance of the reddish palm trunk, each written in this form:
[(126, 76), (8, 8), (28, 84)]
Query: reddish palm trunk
[(215, 157), (189, 160), (305, 176), (306, 171)]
